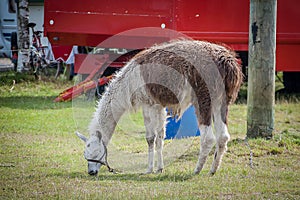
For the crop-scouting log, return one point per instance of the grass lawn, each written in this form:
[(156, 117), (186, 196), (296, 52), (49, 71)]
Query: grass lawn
[(40, 156)]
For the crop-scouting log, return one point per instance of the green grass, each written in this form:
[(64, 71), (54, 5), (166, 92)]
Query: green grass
[(41, 158)]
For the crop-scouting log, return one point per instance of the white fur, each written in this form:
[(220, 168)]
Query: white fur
[(127, 91)]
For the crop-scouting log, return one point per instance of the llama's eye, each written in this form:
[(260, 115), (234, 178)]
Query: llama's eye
[(88, 145)]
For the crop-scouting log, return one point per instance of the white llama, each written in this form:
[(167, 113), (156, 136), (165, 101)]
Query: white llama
[(174, 75)]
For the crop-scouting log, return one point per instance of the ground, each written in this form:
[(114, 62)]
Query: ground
[(41, 157)]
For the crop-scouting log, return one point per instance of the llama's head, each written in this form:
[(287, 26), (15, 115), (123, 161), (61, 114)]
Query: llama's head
[(95, 152)]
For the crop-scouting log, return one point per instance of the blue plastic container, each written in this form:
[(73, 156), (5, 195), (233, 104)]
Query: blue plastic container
[(187, 126)]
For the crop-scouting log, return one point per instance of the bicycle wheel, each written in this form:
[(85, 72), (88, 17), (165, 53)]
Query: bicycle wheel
[(60, 69), (49, 70), (41, 69)]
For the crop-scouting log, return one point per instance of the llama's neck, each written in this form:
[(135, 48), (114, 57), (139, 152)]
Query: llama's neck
[(106, 117), (115, 101)]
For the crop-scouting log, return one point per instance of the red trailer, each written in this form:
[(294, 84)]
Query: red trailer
[(93, 23)]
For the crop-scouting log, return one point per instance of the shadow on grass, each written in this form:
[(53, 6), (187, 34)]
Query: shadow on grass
[(32, 102), (104, 176)]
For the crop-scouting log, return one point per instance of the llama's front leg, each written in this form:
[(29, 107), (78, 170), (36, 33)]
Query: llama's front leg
[(207, 141), (161, 130), (150, 137), (223, 137), (150, 141), (159, 150)]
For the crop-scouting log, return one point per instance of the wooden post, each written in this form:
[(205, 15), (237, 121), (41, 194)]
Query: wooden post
[(23, 34), (261, 71)]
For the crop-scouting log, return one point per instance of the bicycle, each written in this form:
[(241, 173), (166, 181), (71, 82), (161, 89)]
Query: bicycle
[(37, 58)]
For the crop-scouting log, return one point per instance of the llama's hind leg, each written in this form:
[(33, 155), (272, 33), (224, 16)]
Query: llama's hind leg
[(222, 137), (207, 141)]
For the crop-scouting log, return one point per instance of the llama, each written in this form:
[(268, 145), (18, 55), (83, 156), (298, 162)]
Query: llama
[(174, 75)]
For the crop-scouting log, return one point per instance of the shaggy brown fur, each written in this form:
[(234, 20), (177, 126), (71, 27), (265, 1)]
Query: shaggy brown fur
[(194, 62), (173, 75)]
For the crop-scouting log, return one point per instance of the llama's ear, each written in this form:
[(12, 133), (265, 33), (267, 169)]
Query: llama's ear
[(82, 137), (99, 135)]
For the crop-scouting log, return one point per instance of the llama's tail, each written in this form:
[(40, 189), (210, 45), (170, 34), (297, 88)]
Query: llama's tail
[(233, 79), (230, 67)]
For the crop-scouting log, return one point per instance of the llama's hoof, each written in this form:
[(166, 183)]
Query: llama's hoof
[(196, 171), (147, 172), (211, 173), (159, 171)]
